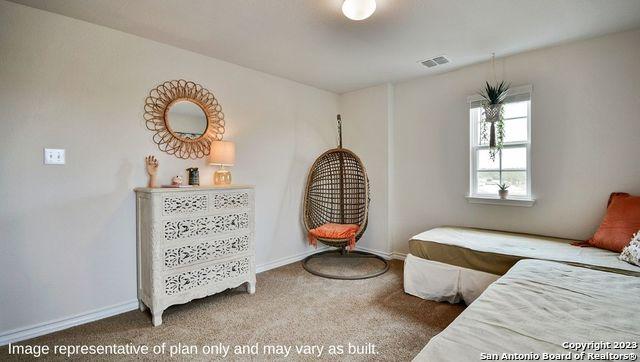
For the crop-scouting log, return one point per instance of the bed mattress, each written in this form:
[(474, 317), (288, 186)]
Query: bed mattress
[(495, 252), (545, 307)]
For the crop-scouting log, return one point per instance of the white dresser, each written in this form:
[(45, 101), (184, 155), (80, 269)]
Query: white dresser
[(193, 242)]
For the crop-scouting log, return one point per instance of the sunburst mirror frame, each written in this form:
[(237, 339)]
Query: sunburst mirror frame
[(156, 109)]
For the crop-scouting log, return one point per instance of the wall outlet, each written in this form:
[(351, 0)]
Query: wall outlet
[(54, 156)]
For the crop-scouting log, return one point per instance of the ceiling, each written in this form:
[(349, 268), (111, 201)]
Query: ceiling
[(311, 42)]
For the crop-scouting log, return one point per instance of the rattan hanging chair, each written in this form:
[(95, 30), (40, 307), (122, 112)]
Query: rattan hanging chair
[(337, 192)]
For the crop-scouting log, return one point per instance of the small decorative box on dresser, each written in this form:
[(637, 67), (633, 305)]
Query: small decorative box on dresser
[(193, 242)]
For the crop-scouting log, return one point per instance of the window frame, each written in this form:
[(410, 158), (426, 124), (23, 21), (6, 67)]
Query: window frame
[(474, 146)]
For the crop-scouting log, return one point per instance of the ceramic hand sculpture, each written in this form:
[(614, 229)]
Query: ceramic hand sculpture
[(152, 169)]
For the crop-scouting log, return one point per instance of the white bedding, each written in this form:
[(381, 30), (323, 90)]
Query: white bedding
[(441, 282), (539, 305), (526, 246)]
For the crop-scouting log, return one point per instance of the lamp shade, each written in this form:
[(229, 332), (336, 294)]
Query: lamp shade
[(223, 153)]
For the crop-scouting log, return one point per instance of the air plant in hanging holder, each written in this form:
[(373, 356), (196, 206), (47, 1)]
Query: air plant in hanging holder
[(493, 100)]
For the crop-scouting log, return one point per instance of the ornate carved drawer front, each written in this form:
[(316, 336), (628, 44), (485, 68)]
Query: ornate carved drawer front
[(184, 204), (230, 200), (204, 226), (213, 273), (205, 251)]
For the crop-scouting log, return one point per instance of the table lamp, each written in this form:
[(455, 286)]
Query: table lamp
[(223, 153)]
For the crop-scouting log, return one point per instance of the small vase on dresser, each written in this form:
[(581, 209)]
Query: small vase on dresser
[(193, 242)]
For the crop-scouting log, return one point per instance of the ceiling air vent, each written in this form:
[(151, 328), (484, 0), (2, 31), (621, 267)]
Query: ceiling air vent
[(440, 60)]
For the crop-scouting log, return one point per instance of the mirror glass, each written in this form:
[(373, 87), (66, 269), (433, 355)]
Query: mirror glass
[(187, 120)]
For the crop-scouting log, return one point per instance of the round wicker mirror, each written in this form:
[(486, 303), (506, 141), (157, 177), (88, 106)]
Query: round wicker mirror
[(185, 118)]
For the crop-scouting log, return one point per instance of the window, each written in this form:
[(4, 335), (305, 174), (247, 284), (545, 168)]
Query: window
[(512, 164)]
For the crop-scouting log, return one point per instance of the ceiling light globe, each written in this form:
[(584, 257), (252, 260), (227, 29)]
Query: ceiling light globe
[(358, 9)]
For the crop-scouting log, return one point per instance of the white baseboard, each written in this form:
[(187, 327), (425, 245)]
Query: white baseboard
[(385, 254), (287, 260), (381, 253), (20, 334)]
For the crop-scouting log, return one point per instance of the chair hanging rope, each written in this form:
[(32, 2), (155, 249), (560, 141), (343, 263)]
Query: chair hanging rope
[(339, 131)]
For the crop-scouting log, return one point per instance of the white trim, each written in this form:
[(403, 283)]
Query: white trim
[(36, 330), (21, 334), (287, 260), (488, 200), (385, 254), (473, 147)]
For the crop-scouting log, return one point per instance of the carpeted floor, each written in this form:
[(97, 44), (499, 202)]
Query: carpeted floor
[(290, 308)]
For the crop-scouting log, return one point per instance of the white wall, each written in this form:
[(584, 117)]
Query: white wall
[(67, 233), (585, 140), (365, 120)]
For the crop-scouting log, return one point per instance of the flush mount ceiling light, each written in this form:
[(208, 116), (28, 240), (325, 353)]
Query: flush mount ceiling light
[(358, 9)]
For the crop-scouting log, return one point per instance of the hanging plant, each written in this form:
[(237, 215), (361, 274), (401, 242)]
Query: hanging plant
[(494, 96)]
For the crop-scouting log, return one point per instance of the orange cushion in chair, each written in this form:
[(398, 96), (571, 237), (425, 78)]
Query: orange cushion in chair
[(335, 231), (619, 224)]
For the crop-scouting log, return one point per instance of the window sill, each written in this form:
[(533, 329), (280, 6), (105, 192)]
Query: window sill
[(512, 201)]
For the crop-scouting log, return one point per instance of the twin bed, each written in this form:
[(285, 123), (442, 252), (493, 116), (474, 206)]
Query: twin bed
[(453, 263), (552, 298), (545, 307)]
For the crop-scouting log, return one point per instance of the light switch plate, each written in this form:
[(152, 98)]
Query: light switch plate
[(54, 156)]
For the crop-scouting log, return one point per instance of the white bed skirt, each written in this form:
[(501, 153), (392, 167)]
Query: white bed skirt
[(441, 282)]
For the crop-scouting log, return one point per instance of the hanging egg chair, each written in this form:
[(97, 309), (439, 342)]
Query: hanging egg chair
[(337, 199)]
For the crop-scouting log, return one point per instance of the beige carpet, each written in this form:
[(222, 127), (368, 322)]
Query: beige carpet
[(292, 308)]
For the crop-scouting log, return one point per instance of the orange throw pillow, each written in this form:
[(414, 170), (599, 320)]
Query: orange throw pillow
[(620, 223), (334, 231)]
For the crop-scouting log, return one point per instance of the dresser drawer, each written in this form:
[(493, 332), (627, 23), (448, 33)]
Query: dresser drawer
[(199, 227), (176, 257), (205, 275), (230, 200), (181, 203), (201, 202)]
